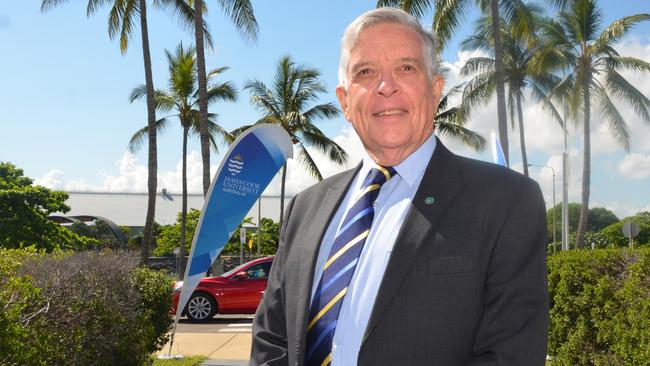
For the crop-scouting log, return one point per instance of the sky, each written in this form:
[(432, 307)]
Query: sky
[(66, 120)]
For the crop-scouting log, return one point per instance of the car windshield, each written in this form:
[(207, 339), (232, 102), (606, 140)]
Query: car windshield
[(234, 270)]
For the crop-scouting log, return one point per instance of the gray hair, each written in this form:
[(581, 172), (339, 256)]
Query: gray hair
[(385, 15)]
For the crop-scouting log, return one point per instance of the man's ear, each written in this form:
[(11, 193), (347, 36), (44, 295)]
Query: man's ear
[(342, 96), (438, 83)]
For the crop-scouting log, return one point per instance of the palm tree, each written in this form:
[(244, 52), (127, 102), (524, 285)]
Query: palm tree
[(121, 19), (519, 48), (182, 97), (573, 42), (287, 103), (451, 121), (241, 14), (447, 17)]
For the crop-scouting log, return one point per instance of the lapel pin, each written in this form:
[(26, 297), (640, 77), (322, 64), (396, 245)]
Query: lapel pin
[(429, 201)]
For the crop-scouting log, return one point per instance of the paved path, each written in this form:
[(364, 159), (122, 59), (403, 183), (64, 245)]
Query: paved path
[(225, 340)]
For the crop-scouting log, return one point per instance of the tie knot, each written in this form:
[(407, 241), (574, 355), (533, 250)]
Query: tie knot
[(380, 175)]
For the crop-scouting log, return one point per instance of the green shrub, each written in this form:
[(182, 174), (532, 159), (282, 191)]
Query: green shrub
[(600, 307), (614, 234), (82, 309)]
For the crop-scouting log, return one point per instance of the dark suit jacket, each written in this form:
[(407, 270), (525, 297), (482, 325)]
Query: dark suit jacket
[(465, 283)]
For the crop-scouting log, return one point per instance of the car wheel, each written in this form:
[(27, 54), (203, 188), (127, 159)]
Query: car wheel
[(201, 307)]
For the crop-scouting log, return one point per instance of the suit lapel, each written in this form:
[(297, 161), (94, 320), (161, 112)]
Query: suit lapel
[(440, 185), (308, 254)]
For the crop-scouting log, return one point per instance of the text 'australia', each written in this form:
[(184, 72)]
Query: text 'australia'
[(240, 187)]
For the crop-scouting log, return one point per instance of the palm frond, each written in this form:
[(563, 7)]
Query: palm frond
[(417, 8), (315, 138), (617, 126), (138, 92), (615, 31), (262, 97), (94, 5), (129, 20), (325, 111), (217, 71), (618, 86), (225, 91), (239, 130), (447, 17), (467, 136), (183, 12), (241, 14), (626, 63), (541, 96), (141, 135), (477, 65), (47, 5), (308, 162), (479, 90)]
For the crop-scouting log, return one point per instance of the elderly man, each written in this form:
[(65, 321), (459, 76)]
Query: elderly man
[(416, 256)]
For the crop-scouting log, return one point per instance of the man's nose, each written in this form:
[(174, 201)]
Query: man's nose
[(387, 85)]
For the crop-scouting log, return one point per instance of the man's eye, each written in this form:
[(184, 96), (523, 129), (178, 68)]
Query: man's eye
[(365, 71), (408, 68)]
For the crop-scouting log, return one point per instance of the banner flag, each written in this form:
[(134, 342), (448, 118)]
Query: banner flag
[(497, 151), (247, 168)]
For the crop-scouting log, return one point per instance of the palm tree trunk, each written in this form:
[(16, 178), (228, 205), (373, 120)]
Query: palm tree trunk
[(148, 240), (586, 167), (500, 79), (203, 94), (181, 271), (284, 178), (522, 139)]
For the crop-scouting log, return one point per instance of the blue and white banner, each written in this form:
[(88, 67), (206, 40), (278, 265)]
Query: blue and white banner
[(248, 167), (497, 151)]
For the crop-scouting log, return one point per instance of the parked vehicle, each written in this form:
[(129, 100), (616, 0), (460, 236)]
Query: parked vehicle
[(238, 291)]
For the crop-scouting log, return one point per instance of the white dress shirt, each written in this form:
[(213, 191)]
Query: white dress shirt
[(391, 207)]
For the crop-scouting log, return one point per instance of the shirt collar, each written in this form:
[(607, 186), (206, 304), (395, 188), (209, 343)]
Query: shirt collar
[(411, 168)]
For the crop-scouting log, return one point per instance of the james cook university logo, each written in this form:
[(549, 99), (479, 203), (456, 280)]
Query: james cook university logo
[(235, 165)]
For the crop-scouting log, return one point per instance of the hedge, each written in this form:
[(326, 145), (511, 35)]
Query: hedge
[(600, 307), (80, 309)]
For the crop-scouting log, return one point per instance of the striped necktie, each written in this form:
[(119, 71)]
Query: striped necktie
[(339, 268)]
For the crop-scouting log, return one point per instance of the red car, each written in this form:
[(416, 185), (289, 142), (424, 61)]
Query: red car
[(238, 291)]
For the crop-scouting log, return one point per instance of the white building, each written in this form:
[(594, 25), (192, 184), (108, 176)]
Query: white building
[(130, 209)]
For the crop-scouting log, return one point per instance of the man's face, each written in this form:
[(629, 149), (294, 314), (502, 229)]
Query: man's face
[(391, 100)]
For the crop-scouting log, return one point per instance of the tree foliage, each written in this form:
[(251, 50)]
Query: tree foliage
[(80, 309), (169, 237), (575, 42), (599, 218), (289, 102), (269, 239), (600, 307), (614, 233), (24, 208)]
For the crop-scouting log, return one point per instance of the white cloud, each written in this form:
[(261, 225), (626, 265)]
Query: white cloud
[(622, 210), (635, 166), (51, 179), (131, 176)]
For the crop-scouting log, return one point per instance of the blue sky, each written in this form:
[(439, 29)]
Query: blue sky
[(66, 119)]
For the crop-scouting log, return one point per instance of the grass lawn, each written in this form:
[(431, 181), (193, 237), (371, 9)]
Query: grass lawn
[(187, 361)]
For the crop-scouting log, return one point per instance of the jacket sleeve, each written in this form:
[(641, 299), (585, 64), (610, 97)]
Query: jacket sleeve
[(269, 343), (514, 326)]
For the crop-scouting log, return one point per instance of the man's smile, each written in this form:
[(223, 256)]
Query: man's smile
[(390, 112)]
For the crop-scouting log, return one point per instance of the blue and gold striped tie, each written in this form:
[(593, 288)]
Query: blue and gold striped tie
[(339, 268)]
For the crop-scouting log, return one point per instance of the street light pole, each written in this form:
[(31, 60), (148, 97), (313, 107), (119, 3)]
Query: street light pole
[(553, 172)]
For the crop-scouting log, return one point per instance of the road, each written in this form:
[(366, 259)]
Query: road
[(219, 324)]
